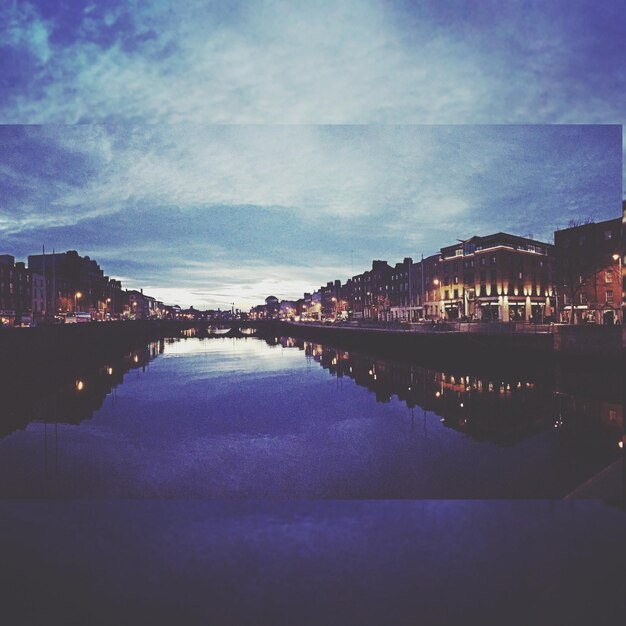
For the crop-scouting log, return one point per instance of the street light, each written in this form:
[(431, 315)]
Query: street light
[(107, 309), (77, 296), (436, 283), (618, 257)]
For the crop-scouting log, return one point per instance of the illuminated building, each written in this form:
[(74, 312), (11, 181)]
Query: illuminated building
[(497, 277)]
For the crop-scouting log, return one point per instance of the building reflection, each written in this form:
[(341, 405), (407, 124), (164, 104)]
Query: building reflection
[(67, 394), (580, 409)]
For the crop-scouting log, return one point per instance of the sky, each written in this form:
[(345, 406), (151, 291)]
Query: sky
[(155, 156), (210, 215), (308, 61)]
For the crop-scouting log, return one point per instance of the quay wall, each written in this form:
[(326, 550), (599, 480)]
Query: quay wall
[(22, 347), (589, 340), (29, 347), (591, 345), (434, 347)]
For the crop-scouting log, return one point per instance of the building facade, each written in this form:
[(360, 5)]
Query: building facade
[(590, 273), (497, 277), (68, 282), (15, 291)]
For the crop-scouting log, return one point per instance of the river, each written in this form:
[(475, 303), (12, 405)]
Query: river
[(284, 418)]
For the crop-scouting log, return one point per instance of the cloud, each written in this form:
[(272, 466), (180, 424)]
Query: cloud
[(150, 201), (315, 62)]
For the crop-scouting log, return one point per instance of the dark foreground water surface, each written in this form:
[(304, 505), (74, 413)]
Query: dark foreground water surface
[(324, 563), (249, 418)]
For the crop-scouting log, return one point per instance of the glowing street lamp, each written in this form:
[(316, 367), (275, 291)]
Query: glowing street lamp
[(618, 257), (436, 283), (77, 296)]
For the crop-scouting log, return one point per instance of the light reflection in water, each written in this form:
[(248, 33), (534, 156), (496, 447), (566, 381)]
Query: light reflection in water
[(226, 417)]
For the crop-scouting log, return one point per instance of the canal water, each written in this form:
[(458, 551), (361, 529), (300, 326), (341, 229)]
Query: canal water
[(197, 417)]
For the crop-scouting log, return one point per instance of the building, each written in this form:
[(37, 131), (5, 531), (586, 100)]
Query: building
[(287, 309), (68, 282), (331, 301), (114, 299), (375, 291), (140, 306), (496, 277), (589, 272), (273, 306), (15, 292), (406, 293), (429, 289)]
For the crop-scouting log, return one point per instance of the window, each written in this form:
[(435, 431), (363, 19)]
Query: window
[(483, 261), (608, 276), (609, 296), (493, 260)]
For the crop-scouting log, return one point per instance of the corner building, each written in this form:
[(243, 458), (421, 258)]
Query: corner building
[(497, 277)]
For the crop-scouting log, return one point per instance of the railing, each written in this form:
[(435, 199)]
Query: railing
[(441, 327)]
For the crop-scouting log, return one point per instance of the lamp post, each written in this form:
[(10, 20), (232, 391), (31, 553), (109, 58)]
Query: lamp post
[(107, 309), (618, 257), (436, 283), (77, 296)]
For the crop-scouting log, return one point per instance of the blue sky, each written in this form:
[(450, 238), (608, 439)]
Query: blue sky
[(156, 188), (208, 214)]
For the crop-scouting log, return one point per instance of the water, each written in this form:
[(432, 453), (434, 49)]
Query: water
[(242, 418)]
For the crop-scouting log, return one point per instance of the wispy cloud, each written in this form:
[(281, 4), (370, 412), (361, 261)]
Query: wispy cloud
[(194, 206), (312, 62)]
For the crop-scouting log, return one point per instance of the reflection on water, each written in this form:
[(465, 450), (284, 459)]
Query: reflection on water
[(69, 395), (243, 417), (502, 409)]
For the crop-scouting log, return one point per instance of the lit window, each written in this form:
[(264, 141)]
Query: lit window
[(608, 276), (609, 296)]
